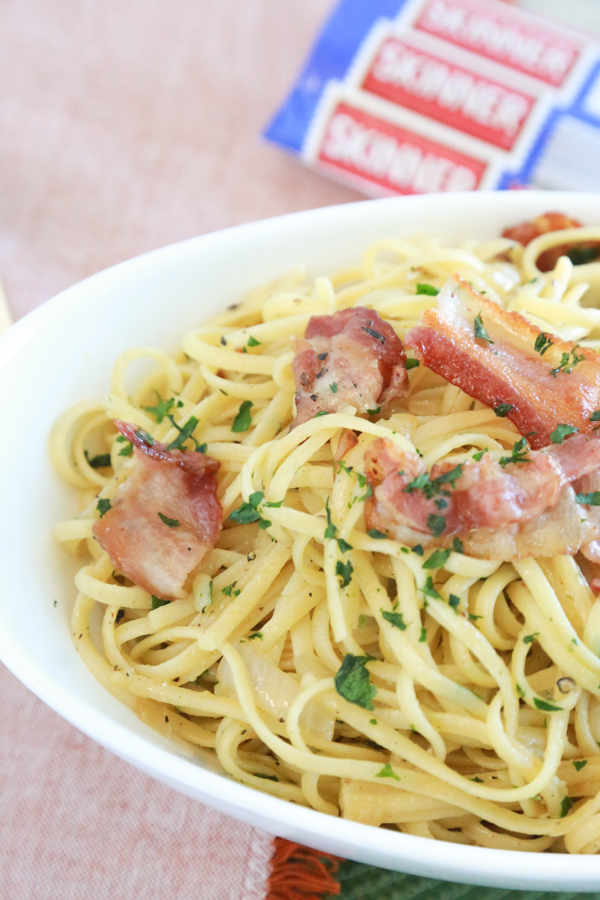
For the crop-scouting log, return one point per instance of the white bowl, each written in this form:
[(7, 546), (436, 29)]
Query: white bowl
[(63, 352)]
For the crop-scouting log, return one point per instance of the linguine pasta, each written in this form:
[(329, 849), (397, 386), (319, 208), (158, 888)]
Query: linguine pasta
[(449, 697)]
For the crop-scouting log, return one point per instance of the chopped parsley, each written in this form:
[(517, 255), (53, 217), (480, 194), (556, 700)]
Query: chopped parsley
[(248, 512), (436, 524), (266, 777), (480, 332), (229, 591), (546, 707), (243, 420), (477, 456), (542, 343), (322, 412), (387, 772), (432, 487), (331, 530), (258, 635), (395, 619), (561, 432), (252, 342), (529, 638), (184, 433), (503, 409), (172, 523), (374, 412), (457, 545), (333, 387), (162, 408), (454, 602), (568, 361), (423, 636), (518, 454), (156, 602), (352, 681), (418, 549), (376, 535), (591, 499), (412, 364), (429, 589), (101, 461), (127, 450), (580, 764), (579, 255), (437, 559), (145, 438), (344, 545), (566, 806), (344, 572), (103, 506), (427, 289)]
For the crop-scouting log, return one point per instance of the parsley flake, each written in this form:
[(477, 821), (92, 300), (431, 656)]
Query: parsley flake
[(333, 387), (184, 433), (519, 453), (387, 772), (103, 506), (374, 412), (568, 361), (436, 524), (580, 764), (412, 364), (457, 545), (480, 332), (352, 681), (229, 591), (157, 602), (101, 461), (477, 456), (427, 289), (436, 560), (344, 545), (243, 420), (542, 343), (546, 707), (591, 499), (566, 806), (503, 409), (376, 535), (331, 530), (395, 619), (561, 432), (252, 342), (162, 408), (344, 572), (172, 523), (258, 635), (248, 512)]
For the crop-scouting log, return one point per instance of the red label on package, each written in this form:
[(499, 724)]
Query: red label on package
[(398, 160), (502, 34), (452, 94)]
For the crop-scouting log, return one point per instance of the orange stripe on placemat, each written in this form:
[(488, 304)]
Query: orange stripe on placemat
[(299, 873)]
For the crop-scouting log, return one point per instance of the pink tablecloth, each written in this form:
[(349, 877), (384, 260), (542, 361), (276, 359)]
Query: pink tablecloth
[(127, 125)]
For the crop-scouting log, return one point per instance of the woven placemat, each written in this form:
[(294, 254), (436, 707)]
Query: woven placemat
[(361, 882)]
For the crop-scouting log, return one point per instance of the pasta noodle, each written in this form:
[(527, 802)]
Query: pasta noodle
[(483, 721)]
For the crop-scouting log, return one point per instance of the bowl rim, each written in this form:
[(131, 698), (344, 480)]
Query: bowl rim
[(454, 862)]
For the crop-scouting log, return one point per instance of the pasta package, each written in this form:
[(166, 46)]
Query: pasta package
[(345, 538), (420, 96)]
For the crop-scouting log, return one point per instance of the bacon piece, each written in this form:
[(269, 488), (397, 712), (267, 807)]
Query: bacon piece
[(180, 485), (525, 508), (352, 357), (540, 393), (550, 221), (347, 442)]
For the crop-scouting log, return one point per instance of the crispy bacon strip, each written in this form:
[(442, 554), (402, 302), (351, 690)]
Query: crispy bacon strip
[(180, 486), (352, 357), (526, 508), (537, 379), (550, 221)]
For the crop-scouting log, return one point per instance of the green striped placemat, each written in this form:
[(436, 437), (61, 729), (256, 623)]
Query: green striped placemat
[(361, 882)]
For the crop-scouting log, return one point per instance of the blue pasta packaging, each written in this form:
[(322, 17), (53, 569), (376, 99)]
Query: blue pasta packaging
[(420, 96)]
